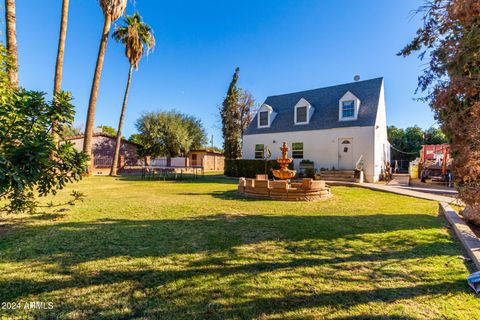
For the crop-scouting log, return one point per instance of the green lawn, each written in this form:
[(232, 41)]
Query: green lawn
[(196, 250)]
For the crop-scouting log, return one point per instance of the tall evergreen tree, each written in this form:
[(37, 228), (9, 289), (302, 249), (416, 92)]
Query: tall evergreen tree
[(231, 122)]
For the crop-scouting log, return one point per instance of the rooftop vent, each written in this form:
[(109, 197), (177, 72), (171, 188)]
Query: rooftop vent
[(356, 78)]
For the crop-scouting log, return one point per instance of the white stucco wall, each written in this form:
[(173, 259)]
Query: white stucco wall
[(382, 146), (320, 146)]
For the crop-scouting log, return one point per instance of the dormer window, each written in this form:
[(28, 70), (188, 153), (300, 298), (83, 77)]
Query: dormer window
[(263, 119), (348, 109), (303, 112), (265, 116), (349, 105), (301, 115)]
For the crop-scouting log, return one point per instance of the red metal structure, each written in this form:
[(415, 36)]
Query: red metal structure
[(435, 162)]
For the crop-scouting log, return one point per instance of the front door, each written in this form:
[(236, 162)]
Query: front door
[(345, 154)]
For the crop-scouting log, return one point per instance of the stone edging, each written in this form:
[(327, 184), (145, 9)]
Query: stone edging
[(469, 240)]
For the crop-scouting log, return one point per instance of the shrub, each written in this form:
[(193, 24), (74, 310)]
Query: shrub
[(309, 172), (250, 168), (306, 161), (31, 162)]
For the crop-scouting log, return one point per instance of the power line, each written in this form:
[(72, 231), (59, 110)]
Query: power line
[(416, 153), (391, 146)]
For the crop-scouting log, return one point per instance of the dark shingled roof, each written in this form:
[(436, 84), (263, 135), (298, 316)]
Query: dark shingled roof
[(325, 101)]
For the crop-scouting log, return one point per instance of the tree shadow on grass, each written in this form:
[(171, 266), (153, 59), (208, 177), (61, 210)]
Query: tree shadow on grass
[(217, 237), (228, 195), (223, 195), (375, 317), (104, 238), (153, 303), (339, 299)]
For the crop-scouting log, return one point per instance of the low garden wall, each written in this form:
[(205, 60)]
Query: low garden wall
[(304, 190)]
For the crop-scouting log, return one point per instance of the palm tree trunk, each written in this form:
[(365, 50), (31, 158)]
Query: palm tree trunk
[(88, 140), (57, 86), (118, 143), (11, 24)]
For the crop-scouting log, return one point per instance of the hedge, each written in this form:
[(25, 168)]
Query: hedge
[(250, 168)]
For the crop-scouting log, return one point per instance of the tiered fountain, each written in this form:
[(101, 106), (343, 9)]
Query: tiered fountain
[(284, 188), (284, 173)]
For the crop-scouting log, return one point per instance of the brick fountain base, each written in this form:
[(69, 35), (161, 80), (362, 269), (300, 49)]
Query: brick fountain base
[(304, 190)]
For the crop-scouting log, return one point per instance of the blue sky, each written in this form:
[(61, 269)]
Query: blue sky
[(280, 46)]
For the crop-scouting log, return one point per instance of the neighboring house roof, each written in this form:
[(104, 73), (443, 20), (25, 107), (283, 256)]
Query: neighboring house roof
[(100, 134), (208, 151), (326, 104)]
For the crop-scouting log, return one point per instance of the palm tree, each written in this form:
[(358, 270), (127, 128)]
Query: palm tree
[(11, 35), (57, 86), (112, 10), (137, 37)]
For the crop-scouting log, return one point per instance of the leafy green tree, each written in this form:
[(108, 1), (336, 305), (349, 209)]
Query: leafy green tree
[(231, 120), (195, 131), (410, 140), (169, 133), (135, 138), (107, 129), (396, 138), (406, 143), (137, 37), (414, 139), (30, 160), (435, 136), (142, 150)]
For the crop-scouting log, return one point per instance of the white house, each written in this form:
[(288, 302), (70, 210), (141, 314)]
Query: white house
[(334, 126)]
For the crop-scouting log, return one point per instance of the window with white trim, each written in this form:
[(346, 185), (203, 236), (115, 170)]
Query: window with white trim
[(263, 119), (302, 114), (297, 150), (348, 109), (259, 151)]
